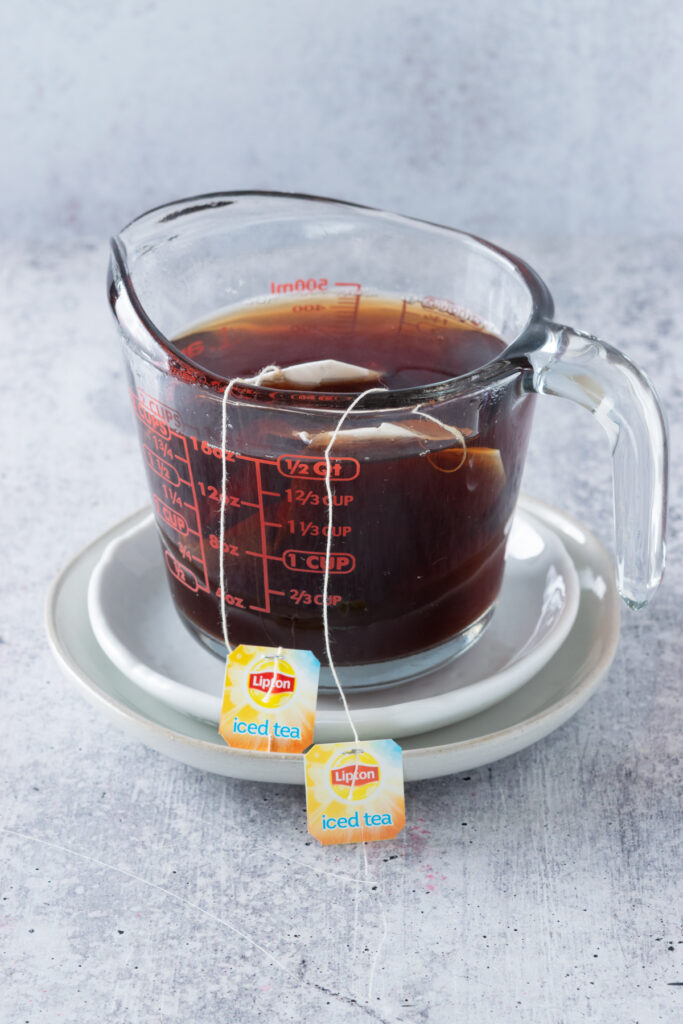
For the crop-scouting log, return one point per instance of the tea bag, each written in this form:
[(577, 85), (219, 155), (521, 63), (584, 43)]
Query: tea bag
[(328, 373), (407, 430), (355, 435)]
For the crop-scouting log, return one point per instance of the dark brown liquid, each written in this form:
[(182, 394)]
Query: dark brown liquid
[(408, 344), (420, 522)]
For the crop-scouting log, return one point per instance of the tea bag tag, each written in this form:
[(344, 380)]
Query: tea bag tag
[(269, 699), (354, 791)]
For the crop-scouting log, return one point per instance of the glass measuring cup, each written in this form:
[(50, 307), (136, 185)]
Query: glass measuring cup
[(422, 507)]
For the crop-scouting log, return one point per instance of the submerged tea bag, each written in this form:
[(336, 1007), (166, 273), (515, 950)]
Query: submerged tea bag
[(321, 373), (384, 432), (411, 429)]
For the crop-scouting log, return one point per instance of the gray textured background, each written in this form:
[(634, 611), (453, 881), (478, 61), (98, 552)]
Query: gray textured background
[(539, 117), (553, 127), (125, 878)]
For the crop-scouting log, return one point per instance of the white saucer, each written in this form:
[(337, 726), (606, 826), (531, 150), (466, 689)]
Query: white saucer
[(544, 703), (135, 623)]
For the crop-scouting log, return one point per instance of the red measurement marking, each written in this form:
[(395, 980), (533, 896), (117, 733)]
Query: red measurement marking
[(172, 496), (263, 534), (195, 348), (274, 494), (253, 458), (201, 557), (169, 516), (165, 450), (348, 284), (350, 301), (309, 284), (309, 528), (314, 498), (181, 573), (150, 421), (160, 411), (314, 561), (164, 447), (228, 549), (305, 597), (160, 467), (213, 494), (187, 554), (306, 466)]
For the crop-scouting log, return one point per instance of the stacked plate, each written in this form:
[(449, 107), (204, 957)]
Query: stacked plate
[(112, 625)]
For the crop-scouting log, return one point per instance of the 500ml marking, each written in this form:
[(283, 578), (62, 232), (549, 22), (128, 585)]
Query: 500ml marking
[(310, 284)]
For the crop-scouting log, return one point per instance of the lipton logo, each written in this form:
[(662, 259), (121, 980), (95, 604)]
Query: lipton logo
[(355, 774), (271, 682)]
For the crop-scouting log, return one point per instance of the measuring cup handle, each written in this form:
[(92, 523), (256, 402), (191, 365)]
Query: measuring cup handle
[(577, 366)]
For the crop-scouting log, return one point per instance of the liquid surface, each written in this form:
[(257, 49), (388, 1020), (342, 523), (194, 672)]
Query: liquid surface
[(406, 343)]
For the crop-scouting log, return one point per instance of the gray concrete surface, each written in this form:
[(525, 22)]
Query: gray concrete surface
[(541, 889)]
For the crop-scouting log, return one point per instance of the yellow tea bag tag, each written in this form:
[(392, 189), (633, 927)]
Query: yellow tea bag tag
[(269, 699), (354, 791)]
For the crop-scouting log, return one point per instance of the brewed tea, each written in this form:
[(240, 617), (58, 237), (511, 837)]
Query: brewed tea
[(421, 510)]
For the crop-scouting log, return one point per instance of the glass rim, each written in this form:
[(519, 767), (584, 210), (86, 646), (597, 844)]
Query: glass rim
[(452, 387)]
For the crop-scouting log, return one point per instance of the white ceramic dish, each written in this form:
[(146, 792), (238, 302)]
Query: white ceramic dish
[(136, 625), (544, 703)]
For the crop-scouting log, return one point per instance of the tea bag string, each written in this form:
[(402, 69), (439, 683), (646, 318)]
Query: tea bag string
[(328, 548), (224, 488), (458, 434), (330, 516), (273, 678)]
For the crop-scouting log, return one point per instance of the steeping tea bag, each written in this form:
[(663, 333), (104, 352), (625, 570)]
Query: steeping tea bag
[(354, 435), (410, 429), (321, 373)]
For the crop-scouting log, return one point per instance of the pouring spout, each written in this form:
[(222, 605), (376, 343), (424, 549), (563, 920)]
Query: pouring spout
[(130, 314)]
